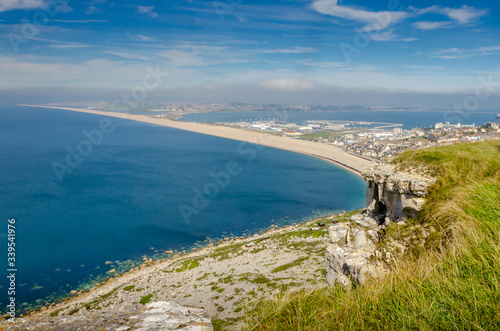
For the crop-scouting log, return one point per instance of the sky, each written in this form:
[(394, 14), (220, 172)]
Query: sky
[(304, 51)]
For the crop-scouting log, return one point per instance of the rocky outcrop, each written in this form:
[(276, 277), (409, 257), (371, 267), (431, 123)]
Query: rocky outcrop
[(155, 316), (391, 197), (171, 316), (394, 196), (352, 245)]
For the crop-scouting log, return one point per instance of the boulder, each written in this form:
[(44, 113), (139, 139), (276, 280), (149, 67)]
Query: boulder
[(338, 233), (374, 235), (361, 240), (364, 221), (165, 315), (345, 267)]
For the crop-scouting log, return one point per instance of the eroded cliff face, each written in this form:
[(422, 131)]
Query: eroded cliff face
[(391, 197), (394, 196)]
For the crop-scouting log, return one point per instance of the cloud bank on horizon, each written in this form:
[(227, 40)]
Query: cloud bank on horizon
[(274, 45)]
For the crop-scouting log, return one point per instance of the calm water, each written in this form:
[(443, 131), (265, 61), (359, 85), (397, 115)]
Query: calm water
[(122, 200), (409, 119)]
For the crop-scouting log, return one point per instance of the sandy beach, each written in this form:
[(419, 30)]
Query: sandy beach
[(327, 152)]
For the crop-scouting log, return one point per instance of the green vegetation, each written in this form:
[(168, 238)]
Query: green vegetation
[(128, 288), (110, 293), (317, 135), (56, 312), (186, 264), (451, 283), (146, 299), (260, 279), (223, 252), (290, 265)]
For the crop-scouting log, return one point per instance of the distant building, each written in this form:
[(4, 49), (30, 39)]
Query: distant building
[(447, 125)]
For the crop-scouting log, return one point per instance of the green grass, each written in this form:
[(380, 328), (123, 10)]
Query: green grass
[(56, 312), (317, 135), (260, 279), (146, 299), (453, 283), (128, 288), (290, 265)]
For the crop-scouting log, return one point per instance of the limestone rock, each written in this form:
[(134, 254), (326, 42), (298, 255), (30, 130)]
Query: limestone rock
[(364, 221), (345, 267), (361, 241), (374, 235), (393, 194), (171, 316), (155, 316), (338, 233)]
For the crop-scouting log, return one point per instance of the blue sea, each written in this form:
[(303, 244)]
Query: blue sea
[(408, 119), (90, 194)]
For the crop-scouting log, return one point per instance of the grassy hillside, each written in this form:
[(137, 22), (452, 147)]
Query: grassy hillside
[(453, 282)]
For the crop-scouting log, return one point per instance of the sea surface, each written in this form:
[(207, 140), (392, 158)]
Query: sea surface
[(90, 194), (409, 119)]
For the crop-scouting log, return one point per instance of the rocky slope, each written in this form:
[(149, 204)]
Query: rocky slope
[(354, 254), (224, 279)]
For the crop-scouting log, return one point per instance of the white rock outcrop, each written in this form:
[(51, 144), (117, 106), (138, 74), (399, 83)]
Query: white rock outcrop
[(393, 195), (347, 257), (165, 315)]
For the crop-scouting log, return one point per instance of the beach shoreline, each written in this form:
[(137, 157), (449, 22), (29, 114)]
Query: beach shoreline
[(220, 277), (329, 153)]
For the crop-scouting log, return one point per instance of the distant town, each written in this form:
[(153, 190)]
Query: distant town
[(182, 108), (381, 141), (376, 140)]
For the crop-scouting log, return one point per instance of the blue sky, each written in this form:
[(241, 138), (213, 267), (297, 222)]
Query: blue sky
[(280, 45)]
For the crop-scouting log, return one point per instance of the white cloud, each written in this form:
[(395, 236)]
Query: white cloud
[(147, 10), (294, 50), (388, 36), (321, 64), (426, 25), (70, 45), (457, 53), (287, 84), (424, 67), (380, 20), (91, 10), (64, 8), (463, 16), (373, 20), (128, 55), (6, 5), (140, 37)]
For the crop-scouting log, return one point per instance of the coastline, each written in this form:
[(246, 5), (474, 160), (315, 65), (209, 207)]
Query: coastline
[(226, 278), (329, 153)]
